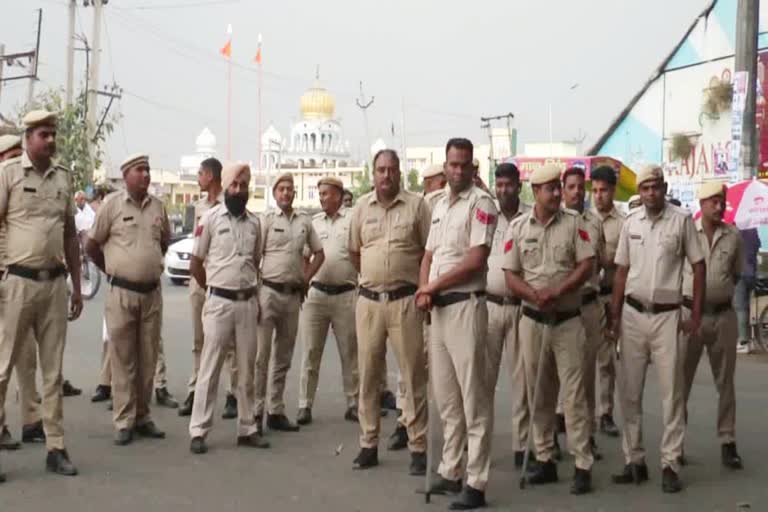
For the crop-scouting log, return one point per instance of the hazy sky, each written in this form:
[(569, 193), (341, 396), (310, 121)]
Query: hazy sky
[(448, 62)]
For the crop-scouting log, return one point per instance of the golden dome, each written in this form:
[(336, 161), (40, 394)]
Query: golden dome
[(317, 103)]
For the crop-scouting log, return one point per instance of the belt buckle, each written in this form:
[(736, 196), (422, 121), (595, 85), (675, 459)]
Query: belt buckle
[(383, 296), (43, 275), (240, 295)]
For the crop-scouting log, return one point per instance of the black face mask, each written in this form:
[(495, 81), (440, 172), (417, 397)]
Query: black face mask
[(235, 204)]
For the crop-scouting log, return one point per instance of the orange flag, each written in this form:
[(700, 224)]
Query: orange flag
[(226, 50)]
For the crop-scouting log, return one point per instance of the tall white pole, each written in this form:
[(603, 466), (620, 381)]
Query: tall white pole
[(550, 131), (229, 96), (70, 52), (93, 84)]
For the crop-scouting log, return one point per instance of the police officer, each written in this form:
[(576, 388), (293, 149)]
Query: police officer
[(209, 180), (603, 190), (433, 180), (348, 200), (284, 232), (387, 237), (452, 287), (548, 260), (127, 241), (655, 241), (723, 250), (37, 209), (504, 310), (225, 260), (330, 303)]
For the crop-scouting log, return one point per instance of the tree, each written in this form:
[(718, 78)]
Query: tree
[(414, 181), (363, 185)]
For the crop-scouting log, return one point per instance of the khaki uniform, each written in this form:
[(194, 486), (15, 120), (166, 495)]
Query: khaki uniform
[(230, 249), (503, 317), (105, 375), (34, 206), (391, 242), (197, 299), (283, 241), (606, 352), (131, 236), (654, 251), (718, 333), (458, 345), (331, 303), (544, 255)]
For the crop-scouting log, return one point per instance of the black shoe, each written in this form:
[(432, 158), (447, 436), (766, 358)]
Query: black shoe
[(607, 426), (7, 442), (198, 446), (281, 422), (102, 393), (254, 441), (520, 459), (186, 407), (304, 417), (399, 438), (123, 437), (593, 446), (230, 407), (670, 482), (543, 473), (582, 481), (58, 462), (444, 486), (632, 474), (69, 390), (557, 453), (388, 400), (469, 499), (33, 433), (730, 456), (418, 465), (367, 458), (351, 414), (165, 399), (560, 424), (149, 429)]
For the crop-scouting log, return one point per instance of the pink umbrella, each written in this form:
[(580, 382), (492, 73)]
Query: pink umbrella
[(746, 205)]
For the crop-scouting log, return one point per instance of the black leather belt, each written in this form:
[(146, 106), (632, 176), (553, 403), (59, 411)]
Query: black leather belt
[(244, 294), (651, 308), (708, 309), (606, 290), (588, 298), (132, 285), (502, 301), (283, 287), (554, 318), (333, 289), (396, 294), (448, 299), (36, 274)]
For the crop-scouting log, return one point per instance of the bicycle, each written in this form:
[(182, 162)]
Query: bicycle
[(90, 275)]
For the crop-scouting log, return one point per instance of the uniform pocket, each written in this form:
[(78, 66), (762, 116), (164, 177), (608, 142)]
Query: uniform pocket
[(531, 256), (563, 253)]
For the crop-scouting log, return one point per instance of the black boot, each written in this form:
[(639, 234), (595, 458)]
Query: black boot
[(69, 390), (543, 473), (670, 482), (593, 446), (165, 399), (632, 474), (730, 456), (582, 481), (150, 430), (399, 438), (281, 422), (186, 408), (33, 433), (230, 407), (444, 486), (198, 446), (367, 458), (520, 459), (123, 437), (58, 462), (607, 426), (351, 414), (102, 393), (418, 465), (469, 499), (7, 442), (388, 400), (304, 417), (252, 441)]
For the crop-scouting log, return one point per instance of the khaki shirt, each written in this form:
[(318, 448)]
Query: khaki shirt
[(131, 236), (390, 240), (337, 268), (282, 242), (433, 197), (594, 226), (654, 251), (497, 283), (546, 254), (458, 225), (201, 206), (34, 206), (229, 247), (612, 224), (724, 259)]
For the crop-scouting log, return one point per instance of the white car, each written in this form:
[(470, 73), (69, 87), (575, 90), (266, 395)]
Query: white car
[(177, 261)]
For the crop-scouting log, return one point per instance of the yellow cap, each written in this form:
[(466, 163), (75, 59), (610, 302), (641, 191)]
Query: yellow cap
[(332, 181), (545, 174), (37, 118), (432, 171), (649, 172), (133, 160), (286, 176), (8, 142), (231, 171), (712, 188)]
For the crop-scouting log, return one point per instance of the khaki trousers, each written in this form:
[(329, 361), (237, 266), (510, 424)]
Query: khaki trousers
[(26, 370), (644, 337), (459, 364), (197, 299), (502, 336), (400, 322), (562, 365), (36, 310), (279, 318), (133, 323), (319, 312), (719, 335), (592, 317), (226, 323), (105, 376), (606, 368)]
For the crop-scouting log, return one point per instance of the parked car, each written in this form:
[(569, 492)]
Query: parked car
[(177, 260)]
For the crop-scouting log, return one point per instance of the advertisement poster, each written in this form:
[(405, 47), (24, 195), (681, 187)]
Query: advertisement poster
[(737, 117)]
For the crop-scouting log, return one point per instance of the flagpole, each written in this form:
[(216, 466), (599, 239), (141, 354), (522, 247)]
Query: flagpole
[(258, 115), (229, 97)]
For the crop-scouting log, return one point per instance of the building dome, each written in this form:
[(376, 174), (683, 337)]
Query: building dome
[(206, 142), (317, 103)]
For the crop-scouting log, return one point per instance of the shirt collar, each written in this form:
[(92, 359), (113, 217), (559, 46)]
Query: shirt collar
[(400, 197), (26, 164), (144, 201), (555, 218)]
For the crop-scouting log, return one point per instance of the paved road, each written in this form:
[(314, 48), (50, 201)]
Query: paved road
[(302, 471)]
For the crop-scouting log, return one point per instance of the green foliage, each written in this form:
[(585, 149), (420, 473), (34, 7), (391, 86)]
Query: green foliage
[(414, 181), (363, 185)]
